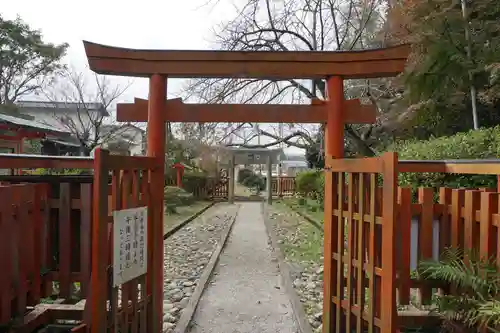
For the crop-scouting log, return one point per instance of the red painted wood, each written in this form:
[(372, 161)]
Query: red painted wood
[(156, 148), (85, 232), (6, 253), (20, 227), (37, 241), (65, 244)]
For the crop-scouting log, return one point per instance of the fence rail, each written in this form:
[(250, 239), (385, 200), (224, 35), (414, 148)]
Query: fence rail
[(283, 186), (211, 188), (376, 232)]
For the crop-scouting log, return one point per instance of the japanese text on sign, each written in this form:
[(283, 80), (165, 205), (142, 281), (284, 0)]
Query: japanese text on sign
[(130, 230)]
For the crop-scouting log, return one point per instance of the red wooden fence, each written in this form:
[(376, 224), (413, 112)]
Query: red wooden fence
[(210, 188), (283, 186), (23, 212), (132, 186), (44, 228), (375, 235), (463, 218)]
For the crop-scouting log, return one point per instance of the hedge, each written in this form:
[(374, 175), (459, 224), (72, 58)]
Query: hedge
[(475, 144), (174, 197), (310, 183), (44, 171)]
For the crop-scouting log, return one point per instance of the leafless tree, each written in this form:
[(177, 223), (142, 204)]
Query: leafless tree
[(84, 109), (305, 25)]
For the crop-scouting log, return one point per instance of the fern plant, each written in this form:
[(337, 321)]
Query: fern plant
[(475, 304)]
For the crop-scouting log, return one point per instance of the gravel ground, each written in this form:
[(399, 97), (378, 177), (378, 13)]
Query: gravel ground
[(245, 294), (303, 253), (186, 254)]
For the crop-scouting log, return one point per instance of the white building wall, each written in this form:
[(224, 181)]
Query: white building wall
[(54, 118)]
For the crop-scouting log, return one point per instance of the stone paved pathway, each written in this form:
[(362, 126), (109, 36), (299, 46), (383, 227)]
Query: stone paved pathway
[(186, 254), (245, 293)]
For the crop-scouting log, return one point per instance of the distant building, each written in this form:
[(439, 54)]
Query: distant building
[(16, 128), (75, 117), (126, 139), (292, 168), (291, 165)]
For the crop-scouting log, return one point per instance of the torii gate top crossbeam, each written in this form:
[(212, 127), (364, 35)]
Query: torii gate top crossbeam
[(251, 155), (384, 62)]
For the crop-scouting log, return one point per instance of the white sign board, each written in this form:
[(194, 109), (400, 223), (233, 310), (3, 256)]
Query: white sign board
[(130, 244)]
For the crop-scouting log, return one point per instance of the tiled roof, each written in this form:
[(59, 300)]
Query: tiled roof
[(30, 124), (63, 106)]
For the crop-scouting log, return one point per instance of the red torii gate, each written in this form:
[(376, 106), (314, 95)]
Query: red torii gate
[(177, 111), (160, 64)]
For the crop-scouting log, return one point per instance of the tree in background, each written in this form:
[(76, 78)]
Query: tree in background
[(94, 124), (305, 25), (437, 81), (27, 63), (315, 155)]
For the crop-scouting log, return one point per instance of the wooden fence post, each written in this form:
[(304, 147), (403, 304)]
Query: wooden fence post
[(389, 211)]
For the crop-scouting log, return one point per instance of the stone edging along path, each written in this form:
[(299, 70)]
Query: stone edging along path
[(179, 225), (188, 313), (298, 310)]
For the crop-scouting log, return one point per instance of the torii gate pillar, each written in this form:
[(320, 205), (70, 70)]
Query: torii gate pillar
[(334, 146), (156, 148)]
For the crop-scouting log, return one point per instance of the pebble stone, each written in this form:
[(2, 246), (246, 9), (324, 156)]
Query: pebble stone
[(307, 276), (187, 252)]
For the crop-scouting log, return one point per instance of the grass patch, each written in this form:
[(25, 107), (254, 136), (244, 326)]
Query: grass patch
[(308, 207), (308, 248), (300, 241)]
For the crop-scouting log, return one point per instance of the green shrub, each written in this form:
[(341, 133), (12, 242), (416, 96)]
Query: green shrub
[(69, 172), (320, 191), (244, 174), (308, 183), (170, 177), (479, 144), (174, 196), (255, 181), (192, 180)]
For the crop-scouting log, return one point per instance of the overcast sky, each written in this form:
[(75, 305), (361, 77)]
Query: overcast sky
[(148, 24)]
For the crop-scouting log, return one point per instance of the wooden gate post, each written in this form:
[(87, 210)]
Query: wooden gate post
[(231, 180), (388, 305), (100, 247), (269, 182), (156, 148), (334, 146)]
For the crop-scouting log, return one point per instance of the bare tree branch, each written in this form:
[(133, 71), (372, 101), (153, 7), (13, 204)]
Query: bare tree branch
[(92, 123), (312, 25)]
